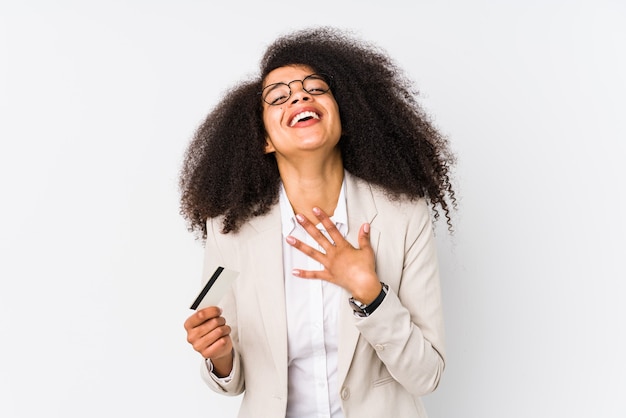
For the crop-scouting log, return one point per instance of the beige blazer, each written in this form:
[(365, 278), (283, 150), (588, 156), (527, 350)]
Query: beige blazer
[(386, 361)]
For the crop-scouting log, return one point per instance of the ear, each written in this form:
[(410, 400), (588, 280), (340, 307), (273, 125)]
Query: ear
[(269, 147)]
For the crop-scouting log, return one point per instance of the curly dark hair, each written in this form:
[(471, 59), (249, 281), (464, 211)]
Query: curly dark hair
[(387, 139)]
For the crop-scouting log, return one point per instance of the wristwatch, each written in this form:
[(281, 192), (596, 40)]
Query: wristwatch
[(362, 310)]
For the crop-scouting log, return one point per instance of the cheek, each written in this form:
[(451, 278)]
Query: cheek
[(337, 121), (271, 120)]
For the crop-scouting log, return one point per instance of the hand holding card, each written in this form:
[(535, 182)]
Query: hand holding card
[(214, 290)]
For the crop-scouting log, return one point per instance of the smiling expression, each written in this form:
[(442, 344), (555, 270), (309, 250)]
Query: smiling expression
[(305, 122)]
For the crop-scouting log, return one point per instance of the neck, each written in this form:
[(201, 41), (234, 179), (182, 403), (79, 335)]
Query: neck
[(311, 184)]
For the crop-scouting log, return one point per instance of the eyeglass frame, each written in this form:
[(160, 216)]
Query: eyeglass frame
[(324, 77)]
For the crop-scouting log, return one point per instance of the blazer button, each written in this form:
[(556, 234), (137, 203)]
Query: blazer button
[(345, 393), (379, 347)]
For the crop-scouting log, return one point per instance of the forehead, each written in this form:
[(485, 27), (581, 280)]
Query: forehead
[(287, 74)]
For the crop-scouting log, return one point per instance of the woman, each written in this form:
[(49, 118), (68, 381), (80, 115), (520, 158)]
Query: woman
[(315, 182)]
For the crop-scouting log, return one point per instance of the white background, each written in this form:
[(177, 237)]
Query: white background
[(98, 101)]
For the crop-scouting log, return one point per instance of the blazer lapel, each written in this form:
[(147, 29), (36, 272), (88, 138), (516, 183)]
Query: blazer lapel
[(361, 209), (264, 258)]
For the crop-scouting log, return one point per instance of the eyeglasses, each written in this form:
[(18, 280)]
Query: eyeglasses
[(278, 93)]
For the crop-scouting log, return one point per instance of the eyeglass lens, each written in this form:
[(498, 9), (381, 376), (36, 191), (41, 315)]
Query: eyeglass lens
[(279, 93)]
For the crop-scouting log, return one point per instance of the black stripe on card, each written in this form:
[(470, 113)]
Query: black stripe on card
[(207, 287)]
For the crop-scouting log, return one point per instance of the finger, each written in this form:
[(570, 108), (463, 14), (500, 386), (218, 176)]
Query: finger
[(312, 274), (201, 316), (315, 233), (201, 331), (213, 344), (329, 225), (218, 349), (364, 236), (202, 339), (217, 333), (305, 249)]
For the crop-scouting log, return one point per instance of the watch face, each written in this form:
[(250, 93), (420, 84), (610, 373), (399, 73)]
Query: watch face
[(357, 307), (358, 304), (361, 309)]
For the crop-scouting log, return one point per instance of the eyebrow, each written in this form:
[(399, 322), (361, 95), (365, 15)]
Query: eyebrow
[(274, 85), (288, 84)]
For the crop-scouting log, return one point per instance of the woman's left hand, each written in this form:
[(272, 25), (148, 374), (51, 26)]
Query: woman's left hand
[(344, 265)]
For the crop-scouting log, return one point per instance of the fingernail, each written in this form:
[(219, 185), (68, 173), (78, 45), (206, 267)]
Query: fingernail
[(300, 218), (295, 272), (316, 211), (291, 240), (366, 228)]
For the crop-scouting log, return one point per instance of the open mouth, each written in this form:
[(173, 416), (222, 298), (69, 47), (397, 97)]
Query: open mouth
[(303, 116)]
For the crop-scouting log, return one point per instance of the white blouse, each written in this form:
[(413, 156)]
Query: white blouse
[(312, 322)]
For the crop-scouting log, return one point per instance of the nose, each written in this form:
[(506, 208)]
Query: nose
[(298, 92)]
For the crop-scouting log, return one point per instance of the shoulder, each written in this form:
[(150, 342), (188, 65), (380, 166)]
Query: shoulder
[(256, 225), (393, 209)]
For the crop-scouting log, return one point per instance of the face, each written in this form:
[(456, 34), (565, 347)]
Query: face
[(307, 121)]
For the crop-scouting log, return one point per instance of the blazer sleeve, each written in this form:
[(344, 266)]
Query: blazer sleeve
[(217, 252), (406, 330)]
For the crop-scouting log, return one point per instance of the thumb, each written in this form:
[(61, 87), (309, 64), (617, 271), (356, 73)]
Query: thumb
[(364, 236)]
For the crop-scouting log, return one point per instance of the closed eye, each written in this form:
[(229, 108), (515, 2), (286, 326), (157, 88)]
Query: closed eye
[(276, 100)]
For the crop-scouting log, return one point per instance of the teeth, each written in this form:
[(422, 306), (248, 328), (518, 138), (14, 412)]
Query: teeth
[(303, 115)]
